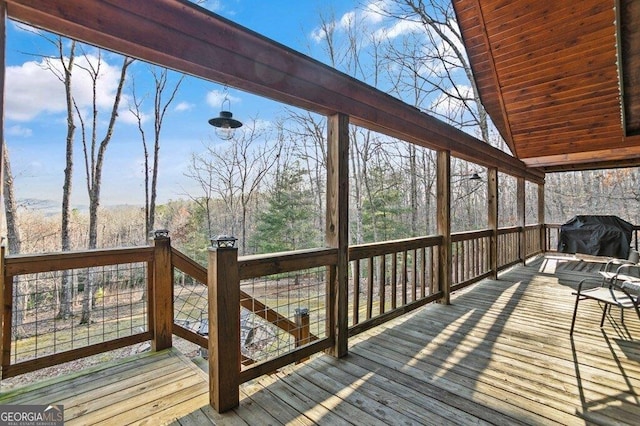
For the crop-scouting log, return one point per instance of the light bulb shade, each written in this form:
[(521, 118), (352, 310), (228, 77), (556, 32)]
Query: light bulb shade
[(225, 125)]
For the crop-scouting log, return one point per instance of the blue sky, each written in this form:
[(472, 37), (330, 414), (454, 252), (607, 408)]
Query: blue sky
[(35, 115), (35, 110)]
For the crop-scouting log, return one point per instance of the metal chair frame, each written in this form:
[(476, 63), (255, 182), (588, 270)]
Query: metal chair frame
[(618, 288)]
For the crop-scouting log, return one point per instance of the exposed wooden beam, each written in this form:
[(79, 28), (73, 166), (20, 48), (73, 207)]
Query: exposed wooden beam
[(182, 36), (626, 154)]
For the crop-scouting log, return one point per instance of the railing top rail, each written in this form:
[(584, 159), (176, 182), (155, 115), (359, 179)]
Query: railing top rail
[(470, 235), (508, 230), (22, 264), (364, 251), (276, 263), (188, 265), (533, 226)]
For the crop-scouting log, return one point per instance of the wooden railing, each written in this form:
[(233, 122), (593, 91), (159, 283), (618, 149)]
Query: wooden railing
[(533, 240), (552, 236), (35, 335), (385, 280), (508, 247), (273, 266), (391, 278), (296, 327), (469, 258)]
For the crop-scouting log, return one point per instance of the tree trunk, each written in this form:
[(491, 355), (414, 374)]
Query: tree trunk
[(14, 242), (94, 166), (65, 309)]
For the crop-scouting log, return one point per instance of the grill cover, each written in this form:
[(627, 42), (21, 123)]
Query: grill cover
[(596, 235)]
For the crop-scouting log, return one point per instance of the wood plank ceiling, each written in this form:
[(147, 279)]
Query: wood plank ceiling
[(547, 72)]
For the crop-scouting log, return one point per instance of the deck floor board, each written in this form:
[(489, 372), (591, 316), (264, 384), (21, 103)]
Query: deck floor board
[(499, 354)]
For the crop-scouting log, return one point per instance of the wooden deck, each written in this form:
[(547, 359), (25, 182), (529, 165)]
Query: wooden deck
[(500, 354)]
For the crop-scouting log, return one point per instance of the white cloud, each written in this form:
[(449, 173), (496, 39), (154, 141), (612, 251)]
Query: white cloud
[(373, 12), (400, 28), (18, 130), (319, 34), (126, 116), (260, 124), (448, 106), (347, 20), (183, 106), (33, 88), (216, 97)]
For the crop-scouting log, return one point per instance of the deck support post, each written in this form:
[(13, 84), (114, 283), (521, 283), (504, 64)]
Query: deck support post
[(543, 233), (521, 212), (492, 215), (443, 203), (224, 328), (337, 231), (161, 292)]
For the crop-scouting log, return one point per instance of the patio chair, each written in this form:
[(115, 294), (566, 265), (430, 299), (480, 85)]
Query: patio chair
[(620, 288), (623, 269)]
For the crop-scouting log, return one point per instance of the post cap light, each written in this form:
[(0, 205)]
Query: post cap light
[(224, 241)]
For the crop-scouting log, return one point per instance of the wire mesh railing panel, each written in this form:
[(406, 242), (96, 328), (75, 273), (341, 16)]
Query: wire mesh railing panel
[(281, 312), (190, 303), (54, 312)]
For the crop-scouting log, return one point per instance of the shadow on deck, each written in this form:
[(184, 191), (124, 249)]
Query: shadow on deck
[(499, 354)]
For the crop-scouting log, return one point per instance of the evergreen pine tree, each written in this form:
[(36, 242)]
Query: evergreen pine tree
[(287, 222)]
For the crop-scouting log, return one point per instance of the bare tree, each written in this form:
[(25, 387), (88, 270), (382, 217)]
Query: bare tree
[(94, 152), (438, 61), (235, 172), (61, 66), (203, 171), (14, 241), (160, 106), (306, 134)]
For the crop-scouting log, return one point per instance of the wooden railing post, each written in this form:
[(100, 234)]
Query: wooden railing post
[(520, 203), (492, 206), (543, 233), (224, 327), (303, 334), (337, 231), (161, 297), (444, 223)]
